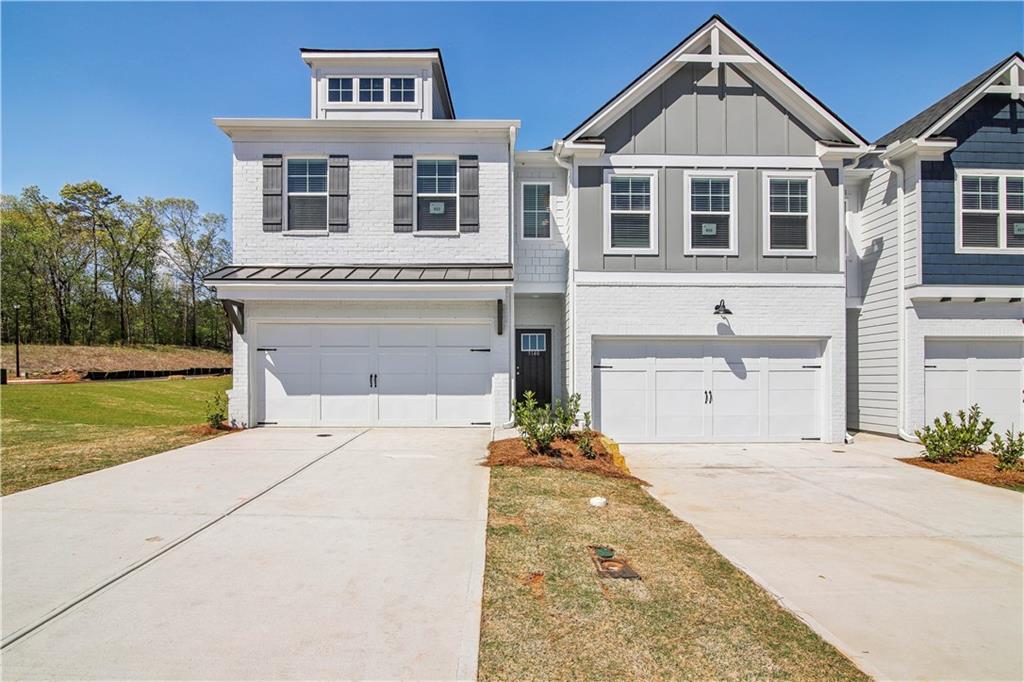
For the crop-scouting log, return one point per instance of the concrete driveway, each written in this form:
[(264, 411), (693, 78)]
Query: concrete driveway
[(267, 554), (911, 573)]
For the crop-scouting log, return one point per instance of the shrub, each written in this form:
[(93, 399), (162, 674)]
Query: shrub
[(585, 439), (534, 423), (564, 416), (948, 441), (217, 410), (1010, 452)]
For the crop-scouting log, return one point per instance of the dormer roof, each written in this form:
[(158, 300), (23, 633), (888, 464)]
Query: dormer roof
[(717, 43), (927, 123), (320, 54)]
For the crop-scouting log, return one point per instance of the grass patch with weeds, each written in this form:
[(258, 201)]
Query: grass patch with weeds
[(546, 614), (55, 431), (42, 359)]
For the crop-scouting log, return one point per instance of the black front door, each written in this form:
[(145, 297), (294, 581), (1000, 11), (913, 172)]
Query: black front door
[(533, 364)]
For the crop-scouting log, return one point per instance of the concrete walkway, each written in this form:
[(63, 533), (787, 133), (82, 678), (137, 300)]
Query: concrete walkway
[(911, 573), (355, 555)]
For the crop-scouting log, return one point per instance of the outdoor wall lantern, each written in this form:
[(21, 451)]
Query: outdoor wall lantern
[(721, 310)]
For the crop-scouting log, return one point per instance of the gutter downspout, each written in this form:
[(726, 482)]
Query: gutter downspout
[(901, 384), (570, 332), (510, 329)]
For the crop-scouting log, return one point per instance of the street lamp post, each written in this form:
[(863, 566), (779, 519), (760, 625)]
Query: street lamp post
[(17, 341)]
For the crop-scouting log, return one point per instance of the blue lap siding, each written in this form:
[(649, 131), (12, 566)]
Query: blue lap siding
[(990, 135)]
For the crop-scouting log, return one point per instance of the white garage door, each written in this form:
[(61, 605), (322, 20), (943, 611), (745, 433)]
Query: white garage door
[(676, 390), (366, 375), (989, 373)]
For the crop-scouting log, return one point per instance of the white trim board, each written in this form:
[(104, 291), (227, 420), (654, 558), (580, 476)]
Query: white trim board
[(707, 161), (712, 279)]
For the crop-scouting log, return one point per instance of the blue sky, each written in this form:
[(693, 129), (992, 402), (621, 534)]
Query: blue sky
[(123, 93)]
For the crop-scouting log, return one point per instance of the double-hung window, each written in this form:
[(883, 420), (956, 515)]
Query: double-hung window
[(631, 223), (339, 89), (371, 89), (710, 208), (437, 195), (307, 194), (990, 211), (402, 89), (536, 211), (788, 216)]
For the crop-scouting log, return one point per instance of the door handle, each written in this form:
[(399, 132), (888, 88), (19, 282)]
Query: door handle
[(371, 381), (375, 381), (705, 396), (711, 397)]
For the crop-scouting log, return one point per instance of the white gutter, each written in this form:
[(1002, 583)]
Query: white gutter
[(510, 328), (901, 355), (570, 281)]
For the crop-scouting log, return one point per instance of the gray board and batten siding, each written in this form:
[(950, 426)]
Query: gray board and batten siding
[(700, 110)]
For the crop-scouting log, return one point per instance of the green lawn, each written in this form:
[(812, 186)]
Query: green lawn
[(694, 616), (55, 431)]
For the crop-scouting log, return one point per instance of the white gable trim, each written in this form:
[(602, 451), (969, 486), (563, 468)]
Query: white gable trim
[(1015, 64), (687, 52)]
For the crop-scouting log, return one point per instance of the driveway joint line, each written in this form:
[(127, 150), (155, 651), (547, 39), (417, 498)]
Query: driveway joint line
[(124, 573)]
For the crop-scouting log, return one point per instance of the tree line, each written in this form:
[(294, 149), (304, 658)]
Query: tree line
[(91, 267)]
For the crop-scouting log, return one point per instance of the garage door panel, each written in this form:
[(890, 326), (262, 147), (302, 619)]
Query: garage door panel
[(288, 387), (469, 335), (990, 373), (679, 404), (623, 403), (462, 361), (343, 335), (286, 335), (412, 335)]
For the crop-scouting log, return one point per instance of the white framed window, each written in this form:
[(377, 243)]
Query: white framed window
[(307, 194), (709, 208), (402, 89), (437, 195), (787, 213), (339, 89), (989, 211), (536, 202), (532, 342), (371, 89), (630, 211)]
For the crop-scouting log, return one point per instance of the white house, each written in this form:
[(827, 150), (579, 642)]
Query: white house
[(680, 259)]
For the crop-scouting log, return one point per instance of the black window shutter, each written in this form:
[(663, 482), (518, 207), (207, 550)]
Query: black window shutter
[(273, 188), (469, 194), (403, 193), (337, 193)]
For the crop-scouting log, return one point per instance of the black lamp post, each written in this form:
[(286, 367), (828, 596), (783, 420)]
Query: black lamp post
[(17, 341)]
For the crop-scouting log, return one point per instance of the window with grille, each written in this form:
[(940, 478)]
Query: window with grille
[(631, 223), (789, 219), (536, 211), (711, 208), (991, 211), (339, 89), (307, 194), (403, 90), (437, 195), (533, 343), (371, 89)]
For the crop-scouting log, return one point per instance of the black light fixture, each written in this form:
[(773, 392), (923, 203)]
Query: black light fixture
[(720, 309)]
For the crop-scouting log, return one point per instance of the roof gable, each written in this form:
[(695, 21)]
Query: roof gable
[(957, 101), (717, 43)]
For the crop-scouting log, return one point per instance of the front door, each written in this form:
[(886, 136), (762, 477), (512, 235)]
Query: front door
[(533, 364)]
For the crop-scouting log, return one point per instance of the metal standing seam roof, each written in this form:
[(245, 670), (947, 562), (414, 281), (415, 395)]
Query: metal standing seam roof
[(917, 125), (402, 274)]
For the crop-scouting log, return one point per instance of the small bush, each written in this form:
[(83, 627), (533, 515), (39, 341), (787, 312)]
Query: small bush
[(1010, 452), (948, 441), (564, 416), (585, 438), (534, 423), (217, 410)]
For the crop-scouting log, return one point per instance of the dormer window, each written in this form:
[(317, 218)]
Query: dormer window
[(403, 89), (339, 89), (371, 89)]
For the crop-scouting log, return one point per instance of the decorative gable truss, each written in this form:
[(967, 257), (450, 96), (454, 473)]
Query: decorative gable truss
[(718, 46)]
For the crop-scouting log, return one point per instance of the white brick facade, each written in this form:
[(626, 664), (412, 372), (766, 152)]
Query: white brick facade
[(542, 264), (371, 237), (801, 312)]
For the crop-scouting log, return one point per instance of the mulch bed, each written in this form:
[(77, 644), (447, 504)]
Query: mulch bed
[(564, 454), (980, 468)]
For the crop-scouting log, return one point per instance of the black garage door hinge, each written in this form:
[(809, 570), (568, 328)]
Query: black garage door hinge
[(479, 350), (479, 423), (602, 367), (266, 423), (812, 366), (815, 438), (262, 349), (931, 367)]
